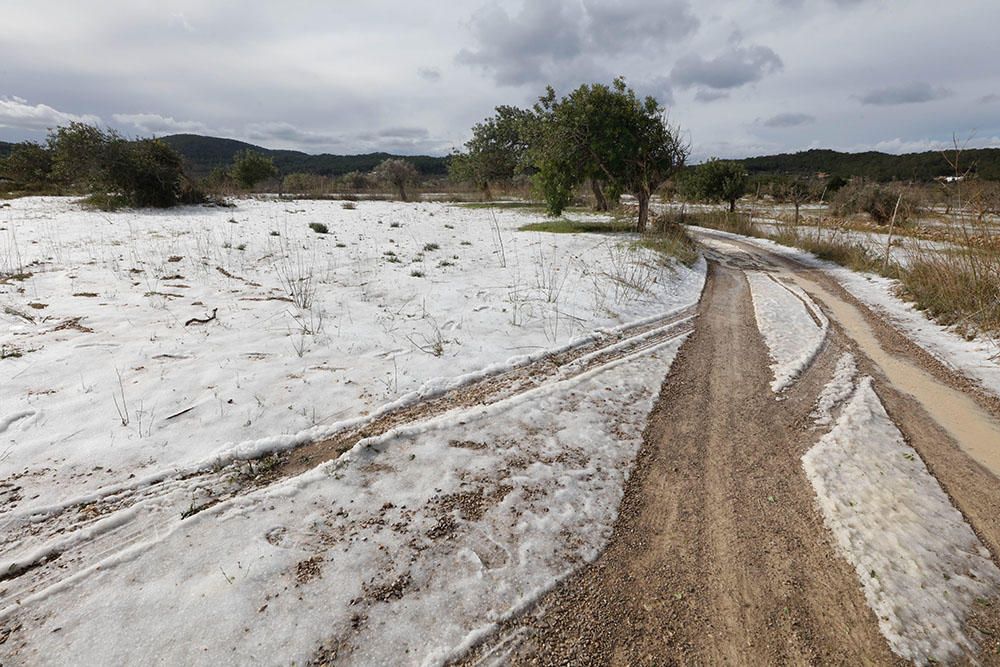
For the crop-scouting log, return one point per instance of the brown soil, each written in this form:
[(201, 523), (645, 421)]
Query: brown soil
[(719, 555)]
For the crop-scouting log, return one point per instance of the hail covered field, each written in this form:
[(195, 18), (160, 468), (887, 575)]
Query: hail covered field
[(109, 374), (147, 356)]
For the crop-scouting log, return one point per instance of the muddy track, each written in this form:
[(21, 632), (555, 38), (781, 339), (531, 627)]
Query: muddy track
[(71, 547), (718, 556)]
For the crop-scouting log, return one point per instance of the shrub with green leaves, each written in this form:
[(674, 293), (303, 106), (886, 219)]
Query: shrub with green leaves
[(250, 168), (117, 171), (716, 180)]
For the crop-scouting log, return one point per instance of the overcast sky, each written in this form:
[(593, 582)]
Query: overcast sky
[(741, 77)]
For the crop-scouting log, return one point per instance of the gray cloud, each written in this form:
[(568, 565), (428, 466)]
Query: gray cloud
[(906, 93), (429, 73), (288, 133), (558, 40), (616, 25), (736, 67), (152, 123), (515, 49), (704, 95), (340, 77), (404, 132), (789, 120)]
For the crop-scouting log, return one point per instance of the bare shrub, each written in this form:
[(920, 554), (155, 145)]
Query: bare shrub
[(880, 202)]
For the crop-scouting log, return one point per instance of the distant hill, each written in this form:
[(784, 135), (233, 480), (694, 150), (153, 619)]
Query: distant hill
[(876, 166), (203, 154)]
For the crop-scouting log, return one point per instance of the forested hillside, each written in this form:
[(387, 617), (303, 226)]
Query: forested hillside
[(202, 154), (985, 162)]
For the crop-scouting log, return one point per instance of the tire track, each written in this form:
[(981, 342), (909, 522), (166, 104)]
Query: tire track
[(718, 555), (82, 534)]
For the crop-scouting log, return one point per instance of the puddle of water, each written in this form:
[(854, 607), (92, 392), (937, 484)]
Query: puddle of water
[(971, 427), (975, 431)]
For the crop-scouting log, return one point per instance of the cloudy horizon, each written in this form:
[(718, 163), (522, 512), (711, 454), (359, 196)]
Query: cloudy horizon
[(739, 78)]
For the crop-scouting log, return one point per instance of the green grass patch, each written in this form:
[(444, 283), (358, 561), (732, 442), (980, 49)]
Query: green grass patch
[(672, 242), (564, 226)]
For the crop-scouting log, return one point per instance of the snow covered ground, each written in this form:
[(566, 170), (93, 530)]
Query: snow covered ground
[(977, 359), (920, 564), (103, 379), (792, 326), (402, 551)]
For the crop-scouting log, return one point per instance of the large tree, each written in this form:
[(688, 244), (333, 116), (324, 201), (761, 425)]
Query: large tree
[(717, 180), (497, 151), (607, 134)]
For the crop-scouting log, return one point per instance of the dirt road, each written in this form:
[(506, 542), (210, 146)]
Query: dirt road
[(719, 555)]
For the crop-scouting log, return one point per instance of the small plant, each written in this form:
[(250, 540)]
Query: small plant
[(275, 232), (318, 227), (394, 225), (242, 246), (348, 205), (443, 263), (465, 243), (417, 274), (340, 244), (431, 247)]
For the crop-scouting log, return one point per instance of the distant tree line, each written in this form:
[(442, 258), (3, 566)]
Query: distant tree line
[(114, 171)]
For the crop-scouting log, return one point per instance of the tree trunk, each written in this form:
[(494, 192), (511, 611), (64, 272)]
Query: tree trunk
[(599, 198), (732, 206), (402, 191), (643, 197), (796, 214)]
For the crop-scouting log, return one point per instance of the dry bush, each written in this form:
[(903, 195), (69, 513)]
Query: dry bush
[(878, 201), (308, 184), (959, 286), (833, 247)]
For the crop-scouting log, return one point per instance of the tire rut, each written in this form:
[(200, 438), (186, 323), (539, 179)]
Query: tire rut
[(165, 501), (719, 555)]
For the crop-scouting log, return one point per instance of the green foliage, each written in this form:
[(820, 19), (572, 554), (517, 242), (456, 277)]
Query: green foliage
[(874, 166), (498, 149), (564, 226), (834, 183), (250, 168), (117, 171), (318, 227), (716, 180), (80, 155), (398, 173), (606, 133), (29, 166)]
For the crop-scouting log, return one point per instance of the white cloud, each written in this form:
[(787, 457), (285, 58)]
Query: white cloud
[(17, 113)]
